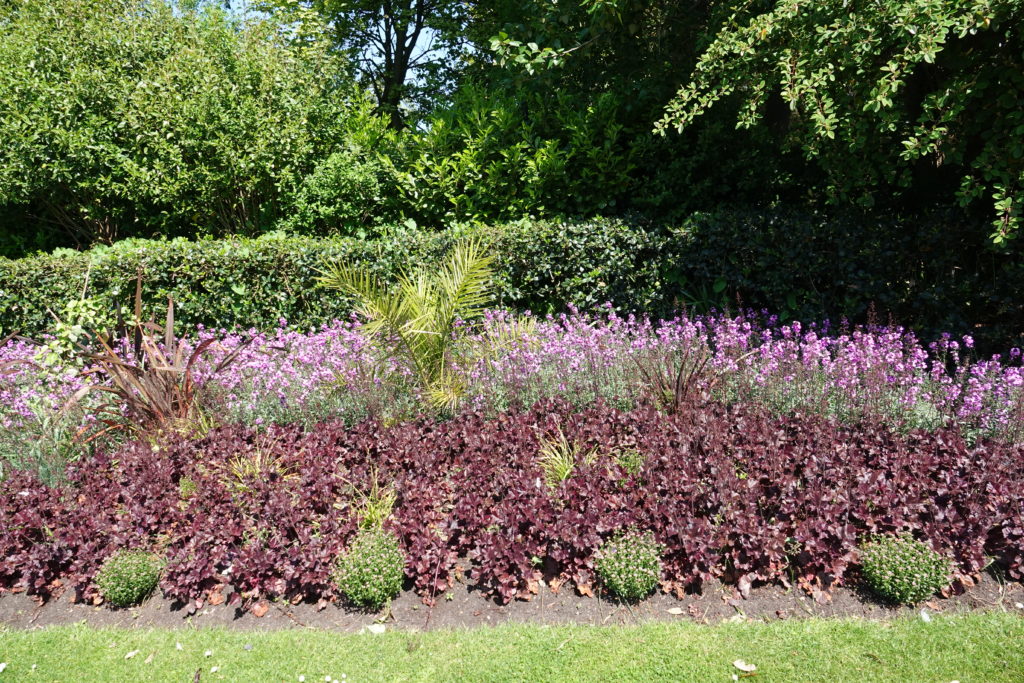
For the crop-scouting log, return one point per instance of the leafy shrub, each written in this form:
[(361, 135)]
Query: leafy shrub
[(847, 264), (184, 121), (497, 154), (729, 490), (371, 570), (629, 565), (868, 133), (127, 577), (902, 570), (341, 196), (851, 262), (236, 282)]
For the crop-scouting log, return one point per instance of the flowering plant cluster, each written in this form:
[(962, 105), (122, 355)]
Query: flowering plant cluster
[(731, 491), (629, 565), (337, 372), (371, 570), (128, 577), (848, 374)]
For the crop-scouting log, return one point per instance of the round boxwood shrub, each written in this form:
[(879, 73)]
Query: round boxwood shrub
[(371, 571), (128, 576), (629, 564), (902, 570)]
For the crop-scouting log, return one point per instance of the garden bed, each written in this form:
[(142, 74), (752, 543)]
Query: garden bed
[(463, 607), (734, 494)]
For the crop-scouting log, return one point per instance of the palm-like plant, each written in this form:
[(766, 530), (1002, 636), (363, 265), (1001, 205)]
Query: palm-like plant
[(415, 318)]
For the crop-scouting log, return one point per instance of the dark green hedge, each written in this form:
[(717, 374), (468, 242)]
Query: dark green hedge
[(256, 282), (934, 274)]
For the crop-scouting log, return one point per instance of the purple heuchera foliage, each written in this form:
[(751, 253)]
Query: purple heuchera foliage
[(734, 492)]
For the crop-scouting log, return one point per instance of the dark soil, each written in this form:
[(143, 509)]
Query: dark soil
[(464, 607)]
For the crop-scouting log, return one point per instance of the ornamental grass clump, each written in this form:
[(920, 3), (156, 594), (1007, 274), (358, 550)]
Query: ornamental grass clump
[(371, 571), (902, 570), (128, 577), (629, 565)]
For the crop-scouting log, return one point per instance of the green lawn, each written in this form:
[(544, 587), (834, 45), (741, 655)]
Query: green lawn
[(963, 648)]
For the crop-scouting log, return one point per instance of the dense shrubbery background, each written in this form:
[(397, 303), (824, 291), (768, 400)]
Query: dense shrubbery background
[(162, 119), (131, 118)]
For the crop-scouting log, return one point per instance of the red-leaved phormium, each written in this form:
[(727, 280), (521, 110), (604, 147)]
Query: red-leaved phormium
[(732, 492)]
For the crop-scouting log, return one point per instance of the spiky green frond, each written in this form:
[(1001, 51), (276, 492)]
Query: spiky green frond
[(374, 302), (421, 310), (465, 279)]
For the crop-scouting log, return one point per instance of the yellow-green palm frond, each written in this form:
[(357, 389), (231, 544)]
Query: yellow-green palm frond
[(420, 311), (374, 302), (464, 282), (446, 392)]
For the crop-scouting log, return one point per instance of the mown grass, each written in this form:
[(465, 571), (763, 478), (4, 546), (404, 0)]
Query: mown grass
[(964, 648)]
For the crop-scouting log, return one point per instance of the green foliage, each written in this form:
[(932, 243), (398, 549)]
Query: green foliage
[(558, 456), (128, 576), (371, 570), (629, 565), (545, 266), (45, 445), (406, 51), (886, 95), (606, 68), (218, 283), (495, 155), (419, 314), (904, 571), (70, 330), (631, 460), (342, 195), (935, 271), (136, 117), (187, 488)]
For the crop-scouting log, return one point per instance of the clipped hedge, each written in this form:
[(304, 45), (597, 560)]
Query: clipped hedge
[(255, 282), (933, 273), (218, 283)]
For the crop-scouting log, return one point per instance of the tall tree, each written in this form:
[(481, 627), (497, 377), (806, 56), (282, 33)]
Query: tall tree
[(919, 94), (406, 51)]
